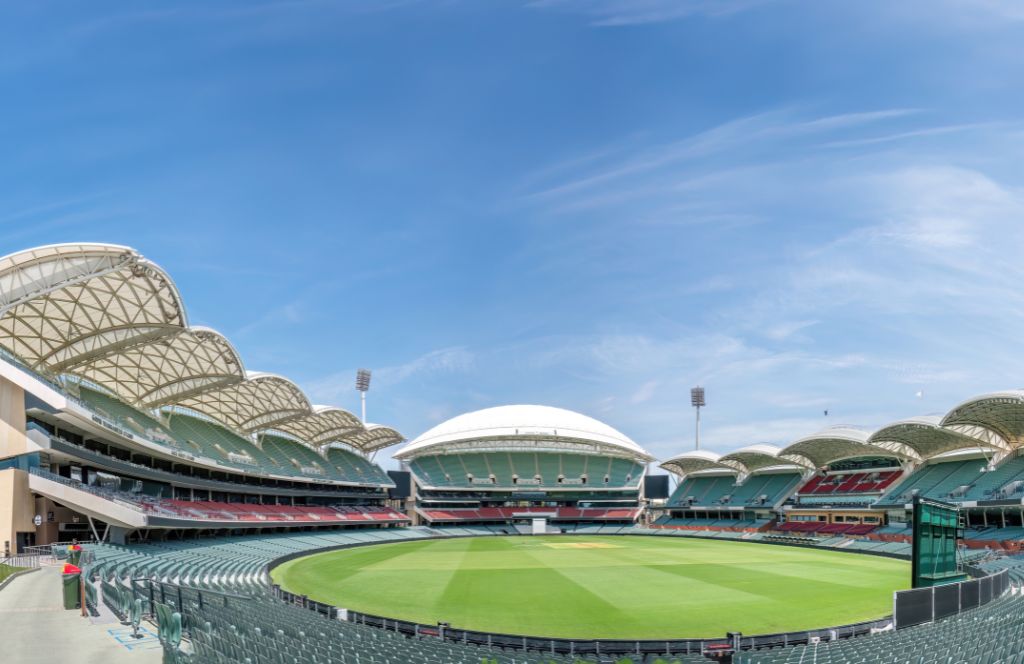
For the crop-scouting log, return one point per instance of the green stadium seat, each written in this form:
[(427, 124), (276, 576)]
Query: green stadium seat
[(522, 469)]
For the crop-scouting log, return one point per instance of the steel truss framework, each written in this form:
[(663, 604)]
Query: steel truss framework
[(105, 314), (992, 423)]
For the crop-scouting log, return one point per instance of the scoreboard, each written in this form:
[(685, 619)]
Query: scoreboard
[(936, 531)]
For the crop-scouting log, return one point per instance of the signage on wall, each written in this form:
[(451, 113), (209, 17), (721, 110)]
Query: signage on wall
[(38, 520)]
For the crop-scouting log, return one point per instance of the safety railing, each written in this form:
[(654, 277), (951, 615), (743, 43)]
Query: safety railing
[(925, 605), (117, 497), (24, 561)]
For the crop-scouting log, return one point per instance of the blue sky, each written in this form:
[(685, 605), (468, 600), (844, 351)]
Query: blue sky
[(589, 204)]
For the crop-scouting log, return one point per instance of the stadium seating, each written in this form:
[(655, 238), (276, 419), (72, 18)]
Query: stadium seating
[(711, 524), (894, 529), (989, 634), (1015, 565), (286, 513), (277, 456), (994, 534), (695, 488), (850, 499), (259, 629), (136, 421), (845, 537), (352, 467), (937, 481), (276, 633), (1004, 482), (826, 528), (231, 564), (850, 483), (193, 435), (505, 513), (295, 456), (218, 443), (262, 514), (772, 487), (722, 490), (533, 469)]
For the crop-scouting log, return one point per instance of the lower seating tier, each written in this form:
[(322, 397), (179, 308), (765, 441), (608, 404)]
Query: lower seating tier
[(501, 513), (289, 513), (826, 528), (260, 628)]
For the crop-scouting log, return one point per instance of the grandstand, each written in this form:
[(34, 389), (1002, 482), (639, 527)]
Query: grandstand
[(123, 422), (742, 490), (512, 464), (850, 482), (992, 633)]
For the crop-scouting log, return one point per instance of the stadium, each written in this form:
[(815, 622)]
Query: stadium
[(205, 512)]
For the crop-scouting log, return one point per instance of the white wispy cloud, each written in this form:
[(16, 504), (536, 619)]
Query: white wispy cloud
[(786, 329), (445, 360), (906, 135), (645, 392), (684, 179), (612, 13), (338, 387), (293, 312), (964, 14)]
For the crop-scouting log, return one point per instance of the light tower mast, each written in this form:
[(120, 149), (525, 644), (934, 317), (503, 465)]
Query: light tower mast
[(363, 385), (697, 400)]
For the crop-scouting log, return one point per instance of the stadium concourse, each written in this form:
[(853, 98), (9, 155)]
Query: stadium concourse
[(187, 476)]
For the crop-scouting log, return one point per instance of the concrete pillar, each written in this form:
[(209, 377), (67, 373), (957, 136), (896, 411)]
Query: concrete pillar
[(117, 535), (17, 508), (12, 420)]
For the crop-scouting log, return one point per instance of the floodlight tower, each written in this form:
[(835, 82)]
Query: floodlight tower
[(363, 385), (697, 401)]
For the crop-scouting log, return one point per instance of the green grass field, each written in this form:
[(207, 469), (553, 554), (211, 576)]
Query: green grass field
[(602, 587)]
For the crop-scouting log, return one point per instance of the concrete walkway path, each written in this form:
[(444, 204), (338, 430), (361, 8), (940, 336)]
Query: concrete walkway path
[(35, 628)]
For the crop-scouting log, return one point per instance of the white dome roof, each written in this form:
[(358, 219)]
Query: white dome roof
[(523, 422)]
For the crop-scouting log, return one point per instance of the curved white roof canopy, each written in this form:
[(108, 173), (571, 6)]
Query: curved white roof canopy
[(105, 314), (756, 457), (374, 437), (324, 425), (523, 426), (834, 444), (261, 401), (923, 437), (168, 370), (695, 461), (996, 418), (65, 304)]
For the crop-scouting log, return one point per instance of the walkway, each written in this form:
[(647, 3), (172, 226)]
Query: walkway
[(35, 629)]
